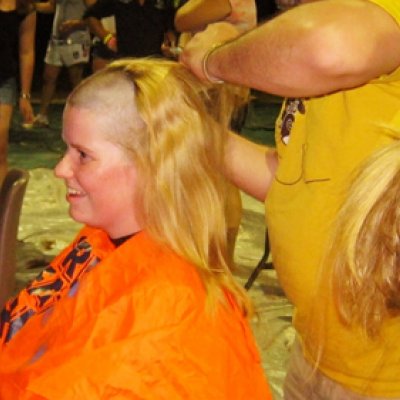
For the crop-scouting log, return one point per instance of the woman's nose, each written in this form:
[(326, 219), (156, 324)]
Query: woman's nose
[(63, 169)]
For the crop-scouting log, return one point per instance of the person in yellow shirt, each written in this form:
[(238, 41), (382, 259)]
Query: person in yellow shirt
[(337, 63)]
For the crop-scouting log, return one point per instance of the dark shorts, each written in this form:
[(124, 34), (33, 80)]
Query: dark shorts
[(8, 91)]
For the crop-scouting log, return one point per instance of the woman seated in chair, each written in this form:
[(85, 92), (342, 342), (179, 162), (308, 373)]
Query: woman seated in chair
[(142, 304)]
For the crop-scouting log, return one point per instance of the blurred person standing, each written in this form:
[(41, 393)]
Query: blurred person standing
[(17, 54), (69, 46)]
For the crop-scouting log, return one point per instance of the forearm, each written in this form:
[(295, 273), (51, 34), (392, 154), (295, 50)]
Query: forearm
[(77, 24), (96, 27), (250, 166), (27, 52), (311, 50), (195, 15), (27, 63), (267, 59)]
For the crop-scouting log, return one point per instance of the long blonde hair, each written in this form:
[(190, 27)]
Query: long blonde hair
[(365, 248), (174, 127)]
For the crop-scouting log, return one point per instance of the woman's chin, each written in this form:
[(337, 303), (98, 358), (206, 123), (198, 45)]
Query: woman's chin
[(77, 216)]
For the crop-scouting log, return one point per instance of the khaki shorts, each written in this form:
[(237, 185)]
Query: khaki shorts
[(63, 54), (303, 382)]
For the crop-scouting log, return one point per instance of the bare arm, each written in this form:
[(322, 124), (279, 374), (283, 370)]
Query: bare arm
[(195, 15), (71, 25), (27, 61), (96, 27), (310, 50), (250, 166)]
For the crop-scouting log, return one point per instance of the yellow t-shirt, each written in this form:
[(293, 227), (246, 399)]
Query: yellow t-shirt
[(329, 137)]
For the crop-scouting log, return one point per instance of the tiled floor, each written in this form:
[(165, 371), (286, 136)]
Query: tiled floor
[(45, 229)]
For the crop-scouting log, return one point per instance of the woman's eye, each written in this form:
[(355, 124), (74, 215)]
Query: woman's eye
[(82, 155)]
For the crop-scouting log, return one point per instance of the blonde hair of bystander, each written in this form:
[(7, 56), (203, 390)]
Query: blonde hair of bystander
[(365, 249)]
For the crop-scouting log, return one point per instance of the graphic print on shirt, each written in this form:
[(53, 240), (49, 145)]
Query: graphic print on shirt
[(291, 107), (55, 281)]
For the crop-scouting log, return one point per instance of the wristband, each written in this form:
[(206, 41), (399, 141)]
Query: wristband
[(107, 38), (24, 95), (210, 78)]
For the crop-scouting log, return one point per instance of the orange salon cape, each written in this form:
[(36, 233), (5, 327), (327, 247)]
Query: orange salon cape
[(133, 326)]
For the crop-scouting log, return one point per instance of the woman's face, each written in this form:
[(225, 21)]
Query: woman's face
[(101, 179)]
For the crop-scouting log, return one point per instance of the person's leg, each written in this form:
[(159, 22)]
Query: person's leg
[(8, 96), (5, 119), (75, 57), (52, 68), (75, 73), (50, 76)]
